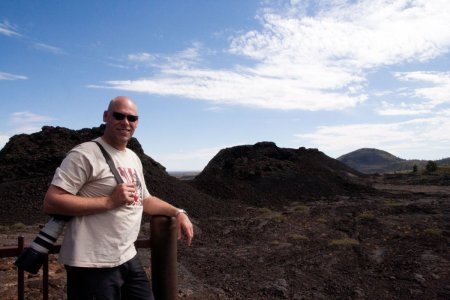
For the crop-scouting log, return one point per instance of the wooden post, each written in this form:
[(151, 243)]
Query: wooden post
[(45, 278), (20, 274), (164, 257)]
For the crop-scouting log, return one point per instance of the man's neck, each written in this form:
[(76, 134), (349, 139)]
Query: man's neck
[(118, 146)]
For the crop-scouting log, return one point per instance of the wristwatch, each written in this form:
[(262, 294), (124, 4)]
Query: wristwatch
[(181, 211)]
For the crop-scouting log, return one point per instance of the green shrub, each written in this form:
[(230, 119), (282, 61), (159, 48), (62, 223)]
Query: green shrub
[(431, 166)]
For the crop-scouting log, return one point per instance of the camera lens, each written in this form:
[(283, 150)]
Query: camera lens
[(32, 258)]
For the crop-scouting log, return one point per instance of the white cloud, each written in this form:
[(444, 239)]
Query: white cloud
[(48, 48), (181, 60), (23, 122), (313, 62), (404, 109), (9, 76), (343, 41), (439, 90), (27, 122), (406, 139), (187, 57), (141, 57), (214, 108), (3, 140), (7, 29), (194, 160), (238, 88), (428, 91)]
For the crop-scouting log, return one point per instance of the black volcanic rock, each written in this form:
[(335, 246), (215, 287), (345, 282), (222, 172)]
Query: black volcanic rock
[(28, 162), (388, 244), (39, 154), (266, 174)]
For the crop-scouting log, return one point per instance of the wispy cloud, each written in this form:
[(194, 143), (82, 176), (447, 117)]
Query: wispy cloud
[(438, 90), (429, 90), (317, 61), (23, 122), (141, 57), (48, 48), (3, 140), (9, 76), (8, 29), (407, 139), (403, 109), (27, 122), (180, 60), (214, 108), (187, 160)]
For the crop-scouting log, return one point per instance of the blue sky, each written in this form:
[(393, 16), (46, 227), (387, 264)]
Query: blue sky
[(206, 75)]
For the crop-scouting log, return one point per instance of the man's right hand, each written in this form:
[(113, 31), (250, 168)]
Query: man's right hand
[(123, 194)]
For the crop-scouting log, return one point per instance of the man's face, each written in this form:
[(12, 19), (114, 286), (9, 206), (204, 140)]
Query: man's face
[(121, 122)]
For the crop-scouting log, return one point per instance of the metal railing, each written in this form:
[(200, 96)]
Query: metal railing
[(163, 245)]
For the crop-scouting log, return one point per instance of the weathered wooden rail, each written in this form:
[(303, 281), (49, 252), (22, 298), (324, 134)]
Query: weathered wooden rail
[(162, 242)]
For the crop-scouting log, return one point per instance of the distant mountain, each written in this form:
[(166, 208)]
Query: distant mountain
[(368, 160), (444, 161)]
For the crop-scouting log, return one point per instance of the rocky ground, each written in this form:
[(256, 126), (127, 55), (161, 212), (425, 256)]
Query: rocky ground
[(270, 223), (389, 244)]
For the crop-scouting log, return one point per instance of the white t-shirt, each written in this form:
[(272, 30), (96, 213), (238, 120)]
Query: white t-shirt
[(104, 239)]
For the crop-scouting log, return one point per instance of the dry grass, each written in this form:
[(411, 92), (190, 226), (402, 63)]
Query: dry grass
[(298, 237), (366, 216), (436, 232), (345, 242), (301, 208), (392, 203), (265, 210), (280, 217)]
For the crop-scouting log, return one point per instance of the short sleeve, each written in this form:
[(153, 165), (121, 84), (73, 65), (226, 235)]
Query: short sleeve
[(74, 171)]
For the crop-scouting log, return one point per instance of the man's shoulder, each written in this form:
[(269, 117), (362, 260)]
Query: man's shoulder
[(89, 147), (129, 150)]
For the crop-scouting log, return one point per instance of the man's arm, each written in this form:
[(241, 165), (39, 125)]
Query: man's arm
[(59, 201), (155, 206)]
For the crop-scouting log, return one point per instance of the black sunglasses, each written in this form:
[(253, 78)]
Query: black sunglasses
[(120, 116)]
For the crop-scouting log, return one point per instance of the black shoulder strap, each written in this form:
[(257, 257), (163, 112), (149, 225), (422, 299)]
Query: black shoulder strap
[(110, 163)]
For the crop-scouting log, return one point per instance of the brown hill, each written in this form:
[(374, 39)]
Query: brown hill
[(27, 164), (263, 174)]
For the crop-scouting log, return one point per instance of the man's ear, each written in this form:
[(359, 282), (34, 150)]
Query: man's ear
[(105, 115)]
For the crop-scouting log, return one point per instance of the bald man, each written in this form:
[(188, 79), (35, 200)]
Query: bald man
[(98, 247)]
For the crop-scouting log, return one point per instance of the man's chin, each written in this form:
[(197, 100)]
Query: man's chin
[(125, 139), (125, 134)]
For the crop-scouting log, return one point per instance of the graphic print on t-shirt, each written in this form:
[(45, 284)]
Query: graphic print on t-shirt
[(129, 175)]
